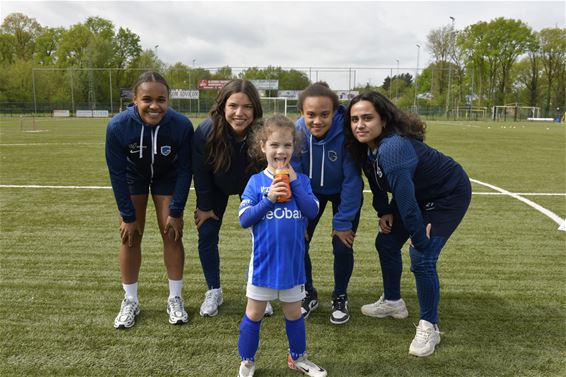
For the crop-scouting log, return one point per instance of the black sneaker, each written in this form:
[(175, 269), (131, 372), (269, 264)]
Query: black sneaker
[(340, 312), (310, 303)]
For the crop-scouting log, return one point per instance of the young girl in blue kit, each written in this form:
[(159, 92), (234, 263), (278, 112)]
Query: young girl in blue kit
[(431, 193), (276, 269)]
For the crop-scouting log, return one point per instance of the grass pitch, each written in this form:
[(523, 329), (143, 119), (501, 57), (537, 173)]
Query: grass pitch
[(503, 273)]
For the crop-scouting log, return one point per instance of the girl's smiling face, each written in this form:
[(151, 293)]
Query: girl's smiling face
[(239, 112), (317, 113), (278, 148), (152, 100)]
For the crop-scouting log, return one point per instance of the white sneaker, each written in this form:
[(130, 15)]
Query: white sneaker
[(176, 311), (306, 366), (127, 316), (213, 298), (427, 337), (383, 308), (247, 369), (268, 310)]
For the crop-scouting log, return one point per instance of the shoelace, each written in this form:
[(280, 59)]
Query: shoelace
[(422, 335), (176, 304), (380, 301), (210, 298), (129, 308), (339, 303)]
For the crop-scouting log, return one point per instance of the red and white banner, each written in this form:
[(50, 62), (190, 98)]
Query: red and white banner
[(212, 84)]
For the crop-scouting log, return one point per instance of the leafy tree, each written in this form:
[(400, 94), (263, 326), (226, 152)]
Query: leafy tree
[(531, 79), (553, 57), (288, 79), (7, 49), (24, 30), (439, 44), (126, 48), (46, 46), (223, 73), (493, 47), (73, 46)]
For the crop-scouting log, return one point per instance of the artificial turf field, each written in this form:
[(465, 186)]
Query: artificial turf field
[(503, 273)]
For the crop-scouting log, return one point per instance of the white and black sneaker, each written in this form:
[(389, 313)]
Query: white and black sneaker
[(127, 316), (340, 313), (310, 303), (303, 365), (176, 311)]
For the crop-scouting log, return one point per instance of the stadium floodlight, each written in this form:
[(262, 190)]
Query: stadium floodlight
[(397, 81), (417, 75), (450, 65)]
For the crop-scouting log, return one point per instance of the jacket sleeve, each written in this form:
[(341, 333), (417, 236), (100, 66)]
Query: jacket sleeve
[(117, 162), (251, 210), (350, 195), (184, 170), (306, 200), (399, 161), (202, 171)]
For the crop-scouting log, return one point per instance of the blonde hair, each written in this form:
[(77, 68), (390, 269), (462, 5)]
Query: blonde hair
[(261, 132)]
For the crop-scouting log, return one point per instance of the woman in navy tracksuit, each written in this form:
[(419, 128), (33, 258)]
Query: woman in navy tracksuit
[(431, 193), (222, 167), (148, 146), (335, 179)]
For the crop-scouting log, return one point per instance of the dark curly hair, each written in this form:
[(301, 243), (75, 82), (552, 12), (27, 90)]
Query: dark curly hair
[(394, 120)]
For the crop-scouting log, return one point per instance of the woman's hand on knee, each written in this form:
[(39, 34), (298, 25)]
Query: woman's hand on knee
[(128, 231), (201, 216), (174, 224)]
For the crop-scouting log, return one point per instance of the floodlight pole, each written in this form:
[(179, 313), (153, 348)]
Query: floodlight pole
[(390, 81), (449, 65), (110, 84), (417, 75), (397, 82), (34, 97)]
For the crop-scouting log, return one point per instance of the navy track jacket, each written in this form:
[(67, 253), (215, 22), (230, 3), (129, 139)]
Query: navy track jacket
[(135, 150), (331, 169), (207, 182), (415, 174)]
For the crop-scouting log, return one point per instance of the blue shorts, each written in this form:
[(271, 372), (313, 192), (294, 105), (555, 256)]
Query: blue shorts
[(162, 185)]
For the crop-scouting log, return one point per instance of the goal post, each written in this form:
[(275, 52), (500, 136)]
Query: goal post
[(272, 105), (514, 112)]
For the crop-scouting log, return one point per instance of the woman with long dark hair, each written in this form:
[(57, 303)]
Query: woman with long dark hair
[(221, 167), (431, 194)]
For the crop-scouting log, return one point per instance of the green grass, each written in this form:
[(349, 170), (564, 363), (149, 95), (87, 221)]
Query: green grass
[(503, 274)]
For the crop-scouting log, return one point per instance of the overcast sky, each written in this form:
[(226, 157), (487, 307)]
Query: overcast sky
[(292, 34)]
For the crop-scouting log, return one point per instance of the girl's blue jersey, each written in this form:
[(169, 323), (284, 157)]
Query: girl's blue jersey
[(278, 231)]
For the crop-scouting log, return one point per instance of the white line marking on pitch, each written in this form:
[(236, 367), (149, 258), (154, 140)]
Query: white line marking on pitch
[(46, 144), (519, 196), (192, 188), (560, 221)]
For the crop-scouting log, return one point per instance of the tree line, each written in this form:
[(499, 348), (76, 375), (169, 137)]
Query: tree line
[(488, 63)]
